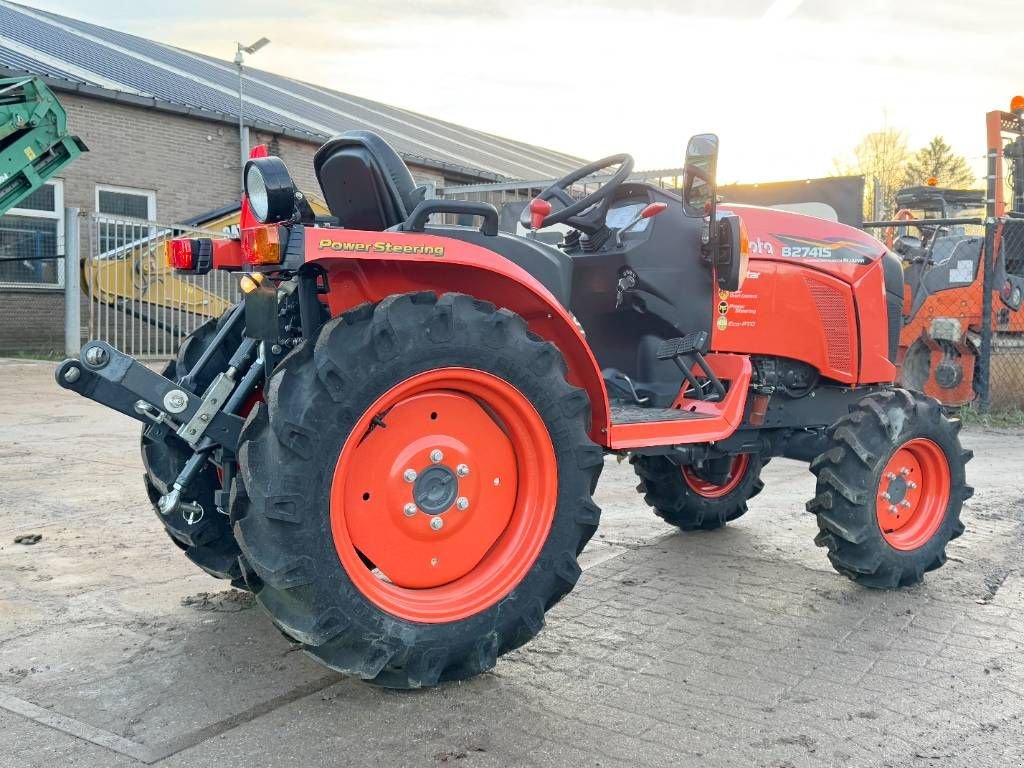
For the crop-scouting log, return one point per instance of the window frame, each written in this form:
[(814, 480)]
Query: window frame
[(57, 215), (149, 194)]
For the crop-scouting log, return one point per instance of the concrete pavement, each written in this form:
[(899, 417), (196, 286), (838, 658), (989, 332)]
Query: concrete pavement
[(736, 648)]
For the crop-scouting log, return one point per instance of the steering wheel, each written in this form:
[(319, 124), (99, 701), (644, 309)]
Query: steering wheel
[(594, 206)]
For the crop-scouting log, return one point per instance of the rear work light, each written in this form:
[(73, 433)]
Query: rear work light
[(261, 245), (190, 255)]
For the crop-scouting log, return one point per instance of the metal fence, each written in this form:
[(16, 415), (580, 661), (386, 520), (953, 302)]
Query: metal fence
[(962, 337), (134, 301)]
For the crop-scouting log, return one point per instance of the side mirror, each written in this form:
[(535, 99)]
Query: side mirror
[(731, 253), (699, 175)]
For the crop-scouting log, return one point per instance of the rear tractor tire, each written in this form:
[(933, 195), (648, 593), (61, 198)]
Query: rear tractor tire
[(681, 497), (208, 542), (890, 489), (413, 495)]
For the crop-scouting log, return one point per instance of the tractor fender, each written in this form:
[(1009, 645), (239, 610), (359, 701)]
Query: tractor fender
[(369, 266)]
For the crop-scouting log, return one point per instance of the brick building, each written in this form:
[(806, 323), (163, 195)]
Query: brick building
[(161, 125)]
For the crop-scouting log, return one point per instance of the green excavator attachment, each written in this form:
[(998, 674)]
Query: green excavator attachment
[(34, 143)]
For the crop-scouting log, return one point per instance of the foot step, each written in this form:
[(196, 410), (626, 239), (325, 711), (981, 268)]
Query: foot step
[(634, 414)]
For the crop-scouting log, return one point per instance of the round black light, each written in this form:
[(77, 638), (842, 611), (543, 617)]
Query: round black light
[(269, 189)]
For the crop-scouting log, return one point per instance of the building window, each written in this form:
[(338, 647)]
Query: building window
[(120, 211), (32, 240)]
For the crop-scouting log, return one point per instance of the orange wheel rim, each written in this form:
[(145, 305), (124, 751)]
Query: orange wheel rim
[(737, 469), (443, 495), (913, 494)]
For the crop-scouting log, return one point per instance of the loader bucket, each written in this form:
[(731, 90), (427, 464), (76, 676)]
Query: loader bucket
[(34, 143)]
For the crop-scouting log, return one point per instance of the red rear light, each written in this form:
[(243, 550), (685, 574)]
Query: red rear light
[(190, 255), (179, 254)]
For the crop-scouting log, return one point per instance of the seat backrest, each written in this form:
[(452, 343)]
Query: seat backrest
[(365, 183)]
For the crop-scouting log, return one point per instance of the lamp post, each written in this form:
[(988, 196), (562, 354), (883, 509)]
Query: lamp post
[(240, 52)]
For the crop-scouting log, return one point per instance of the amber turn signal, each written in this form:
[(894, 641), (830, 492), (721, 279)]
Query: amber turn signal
[(261, 245)]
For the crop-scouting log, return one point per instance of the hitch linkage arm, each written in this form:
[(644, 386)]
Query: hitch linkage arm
[(205, 422), (120, 382)]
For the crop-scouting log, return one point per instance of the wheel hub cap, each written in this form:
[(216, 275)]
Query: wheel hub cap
[(897, 490), (436, 489)]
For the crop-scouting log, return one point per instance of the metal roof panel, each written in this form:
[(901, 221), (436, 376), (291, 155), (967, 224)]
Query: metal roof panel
[(179, 77)]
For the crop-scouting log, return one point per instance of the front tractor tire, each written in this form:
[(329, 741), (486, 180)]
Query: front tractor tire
[(682, 497), (414, 493), (890, 489)]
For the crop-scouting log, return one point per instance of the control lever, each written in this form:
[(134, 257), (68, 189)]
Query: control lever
[(649, 212), (632, 389), (539, 210)]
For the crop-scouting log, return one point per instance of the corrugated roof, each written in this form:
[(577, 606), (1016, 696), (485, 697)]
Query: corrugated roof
[(96, 59)]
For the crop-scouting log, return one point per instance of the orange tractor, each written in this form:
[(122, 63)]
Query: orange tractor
[(942, 241), (394, 440)]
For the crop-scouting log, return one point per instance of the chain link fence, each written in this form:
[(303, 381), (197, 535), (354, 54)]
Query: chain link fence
[(962, 337), (135, 301), (1002, 344)]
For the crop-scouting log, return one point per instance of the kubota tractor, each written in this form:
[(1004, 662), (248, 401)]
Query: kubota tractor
[(394, 440)]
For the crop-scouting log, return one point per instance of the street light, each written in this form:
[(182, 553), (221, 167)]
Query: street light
[(240, 51)]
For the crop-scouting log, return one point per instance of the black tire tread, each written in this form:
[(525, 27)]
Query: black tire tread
[(848, 474), (290, 559)]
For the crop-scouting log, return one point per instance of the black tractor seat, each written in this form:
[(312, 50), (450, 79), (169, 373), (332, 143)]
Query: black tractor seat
[(368, 187), (366, 184)]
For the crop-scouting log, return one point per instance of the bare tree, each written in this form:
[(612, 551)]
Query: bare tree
[(881, 155), (938, 161)]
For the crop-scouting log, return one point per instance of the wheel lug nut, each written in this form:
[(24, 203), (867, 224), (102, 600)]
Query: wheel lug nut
[(462, 502), (885, 496), (904, 471), (911, 485), (436, 523), (409, 509), (462, 470), (409, 475), (892, 510), (890, 475), (905, 504), (436, 455)]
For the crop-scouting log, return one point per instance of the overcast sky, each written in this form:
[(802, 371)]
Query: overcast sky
[(788, 84)]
